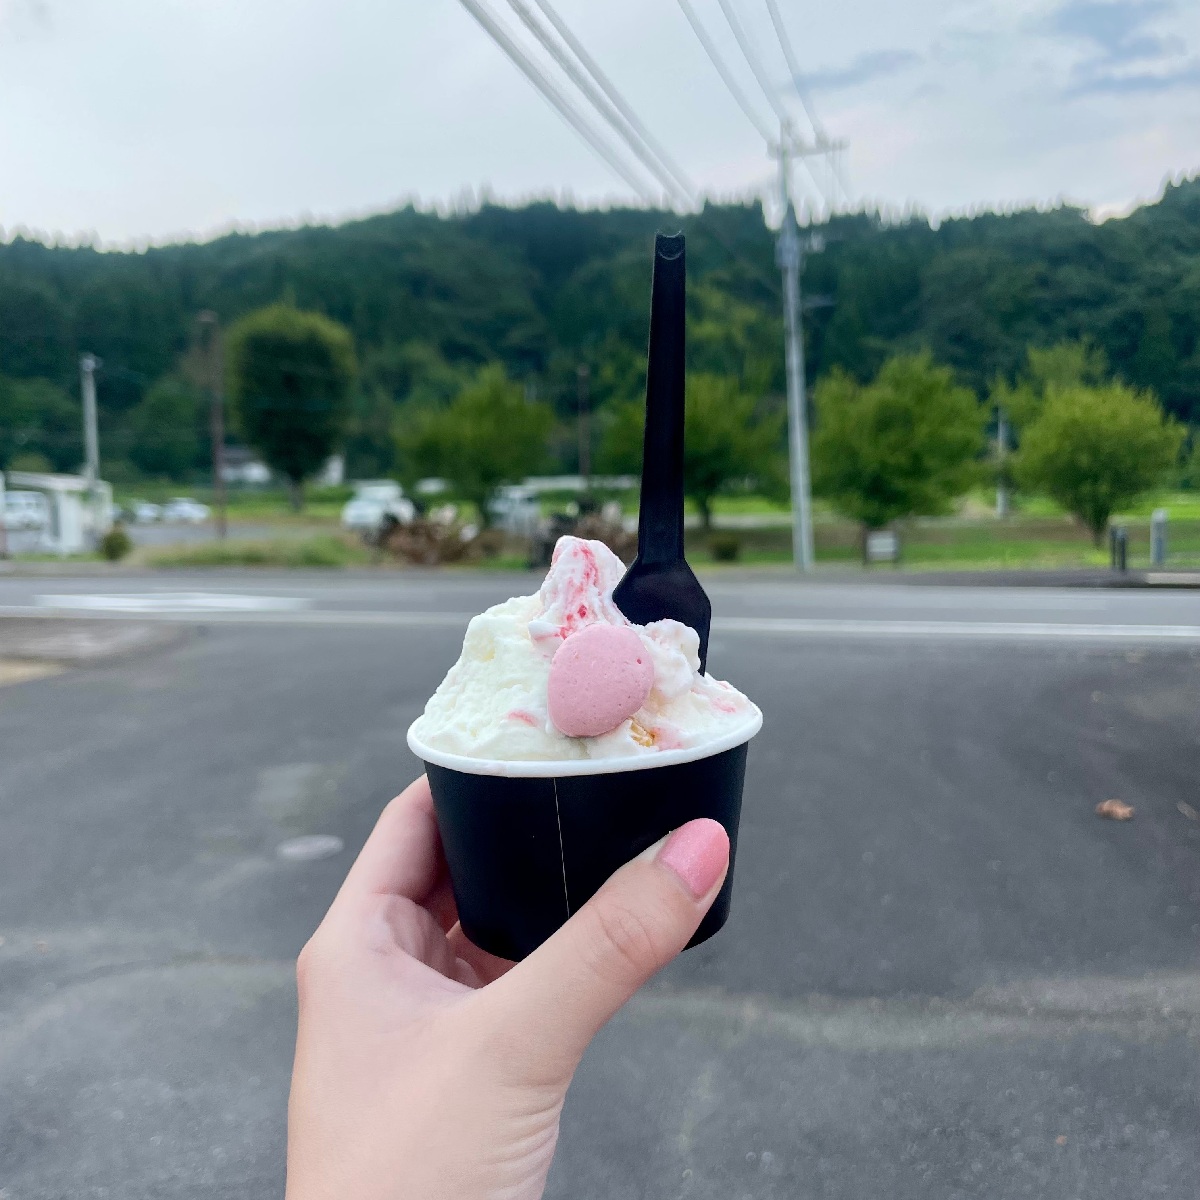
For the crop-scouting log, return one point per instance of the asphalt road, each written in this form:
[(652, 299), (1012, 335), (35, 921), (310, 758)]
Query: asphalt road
[(944, 976)]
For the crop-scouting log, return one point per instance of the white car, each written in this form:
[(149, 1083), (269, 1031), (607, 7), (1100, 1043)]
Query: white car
[(374, 501), (515, 509), (26, 510), (145, 513), (185, 510)]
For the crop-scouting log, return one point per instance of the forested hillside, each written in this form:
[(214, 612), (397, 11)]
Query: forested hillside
[(543, 290)]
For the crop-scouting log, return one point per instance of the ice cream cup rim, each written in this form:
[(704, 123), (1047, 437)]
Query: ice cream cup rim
[(559, 768)]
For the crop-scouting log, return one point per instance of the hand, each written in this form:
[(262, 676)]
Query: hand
[(429, 1070)]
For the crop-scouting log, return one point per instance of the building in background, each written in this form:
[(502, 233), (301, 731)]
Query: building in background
[(74, 517)]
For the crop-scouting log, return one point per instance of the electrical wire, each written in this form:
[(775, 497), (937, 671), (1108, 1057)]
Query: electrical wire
[(717, 61), (755, 63), (618, 102), (680, 183), (802, 93), (750, 54), (598, 101), (793, 65), (557, 100)]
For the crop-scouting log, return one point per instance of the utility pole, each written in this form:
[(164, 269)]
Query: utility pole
[(1001, 456), (91, 436), (790, 256), (88, 363), (216, 411), (582, 375)]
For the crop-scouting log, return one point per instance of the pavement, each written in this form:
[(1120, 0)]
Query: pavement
[(944, 976)]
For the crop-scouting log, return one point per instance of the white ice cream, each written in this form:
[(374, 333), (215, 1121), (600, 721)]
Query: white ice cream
[(492, 703)]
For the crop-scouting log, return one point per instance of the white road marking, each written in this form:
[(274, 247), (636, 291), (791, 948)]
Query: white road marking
[(310, 848), (172, 602), (983, 630), (771, 626), (297, 616)]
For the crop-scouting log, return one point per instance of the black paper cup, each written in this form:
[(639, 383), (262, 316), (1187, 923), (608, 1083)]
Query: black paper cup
[(528, 843)]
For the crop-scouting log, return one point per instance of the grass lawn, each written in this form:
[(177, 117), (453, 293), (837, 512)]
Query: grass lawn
[(270, 505), (317, 550)]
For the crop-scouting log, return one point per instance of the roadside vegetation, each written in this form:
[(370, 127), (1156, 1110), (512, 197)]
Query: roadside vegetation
[(318, 550), (471, 348)]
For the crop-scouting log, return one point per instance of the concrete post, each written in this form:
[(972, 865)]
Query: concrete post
[(1158, 537)]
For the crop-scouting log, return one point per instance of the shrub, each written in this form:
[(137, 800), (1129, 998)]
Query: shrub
[(725, 547), (115, 544)]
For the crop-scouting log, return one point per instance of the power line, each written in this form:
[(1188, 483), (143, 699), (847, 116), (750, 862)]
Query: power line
[(598, 101), (606, 85), (755, 63), (723, 70), (822, 137), (635, 129), (794, 69), (561, 104), (750, 54)]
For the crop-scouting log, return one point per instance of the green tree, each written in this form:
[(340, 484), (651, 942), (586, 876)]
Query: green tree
[(727, 336), (412, 373), (166, 430), (903, 445), (291, 374), (35, 462), (1048, 369), (38, 418), (489, 435), (1094, 449), (727, 440), (371, 435)]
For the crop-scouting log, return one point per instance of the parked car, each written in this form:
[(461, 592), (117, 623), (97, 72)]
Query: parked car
[(145, 513), (26, 510), (515, 509), (185, 510), (374, 501)]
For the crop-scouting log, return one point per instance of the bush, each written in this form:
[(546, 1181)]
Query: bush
[(429, 543), (115, 544), (725, 547), (595, 526)]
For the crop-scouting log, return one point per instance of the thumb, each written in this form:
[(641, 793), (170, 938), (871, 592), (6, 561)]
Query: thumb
[(556, 1001)]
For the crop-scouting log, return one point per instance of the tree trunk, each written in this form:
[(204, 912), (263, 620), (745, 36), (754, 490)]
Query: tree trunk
[(296, 495), (704, 504)]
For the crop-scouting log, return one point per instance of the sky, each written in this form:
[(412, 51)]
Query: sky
[(126, 122)]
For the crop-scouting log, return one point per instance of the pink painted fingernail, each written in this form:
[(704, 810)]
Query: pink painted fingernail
[(697, 852)]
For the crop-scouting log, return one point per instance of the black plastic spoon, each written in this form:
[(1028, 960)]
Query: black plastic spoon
[(660, 584)]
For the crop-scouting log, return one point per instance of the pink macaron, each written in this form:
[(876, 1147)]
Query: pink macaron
[(599, 677)]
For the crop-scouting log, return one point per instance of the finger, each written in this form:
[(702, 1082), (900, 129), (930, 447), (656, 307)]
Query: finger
[(411, 929), (403, 855), (487, 967), (442, 905), (558, 998)]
